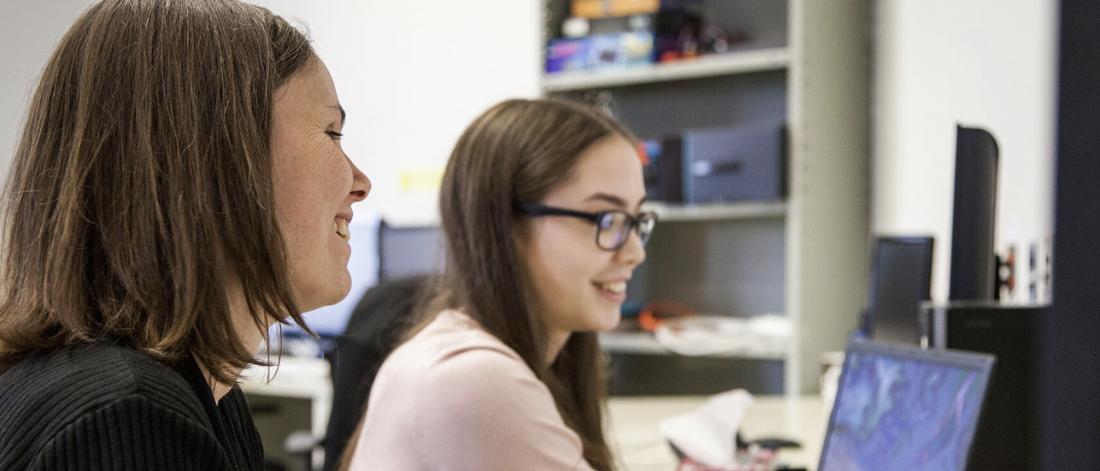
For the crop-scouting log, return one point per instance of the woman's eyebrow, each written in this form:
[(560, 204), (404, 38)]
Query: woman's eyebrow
[(343, 114), (615, 200)]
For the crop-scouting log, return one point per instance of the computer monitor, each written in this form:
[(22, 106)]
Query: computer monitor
[(901, 274), (973, 270), (409, 250), (902, 408)]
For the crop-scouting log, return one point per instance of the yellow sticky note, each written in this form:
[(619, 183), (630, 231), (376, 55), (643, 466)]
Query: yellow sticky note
[(422, 179)]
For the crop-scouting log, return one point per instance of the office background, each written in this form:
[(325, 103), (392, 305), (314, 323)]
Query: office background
[(413, 74)]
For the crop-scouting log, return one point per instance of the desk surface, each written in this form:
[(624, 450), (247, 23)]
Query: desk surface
[(633, 420), (640, 447), (304, 378)]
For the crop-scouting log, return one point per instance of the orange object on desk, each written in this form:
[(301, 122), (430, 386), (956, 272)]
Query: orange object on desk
[(655, 312)]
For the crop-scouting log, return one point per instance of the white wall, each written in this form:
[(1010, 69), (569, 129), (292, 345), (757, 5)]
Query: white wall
[(29, 30), (986, 63), (412, 74)]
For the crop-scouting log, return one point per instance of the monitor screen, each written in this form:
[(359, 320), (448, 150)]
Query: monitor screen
[(901, 275), (904, 409), (409, 250)]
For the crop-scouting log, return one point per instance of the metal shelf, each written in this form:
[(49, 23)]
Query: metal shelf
[(730, 63), (717, 211), (643, 343)]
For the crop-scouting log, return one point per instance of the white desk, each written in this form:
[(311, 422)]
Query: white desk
[(302, 378), (640, 447), (294, 378), (633, 420)]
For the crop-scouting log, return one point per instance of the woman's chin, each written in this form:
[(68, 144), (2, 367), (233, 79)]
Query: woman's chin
[(326, 298), (608, 321)]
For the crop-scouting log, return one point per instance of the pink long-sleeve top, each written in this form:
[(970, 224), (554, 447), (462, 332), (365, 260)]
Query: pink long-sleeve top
[(454, 397)]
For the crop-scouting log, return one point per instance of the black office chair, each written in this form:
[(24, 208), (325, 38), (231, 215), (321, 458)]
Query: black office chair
[(375, 328)]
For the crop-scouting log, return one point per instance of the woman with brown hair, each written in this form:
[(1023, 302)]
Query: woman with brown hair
[(179, 187), (540, 210)]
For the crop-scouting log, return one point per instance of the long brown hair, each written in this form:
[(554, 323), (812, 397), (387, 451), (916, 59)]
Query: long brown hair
[(141, 189), (516, 152)]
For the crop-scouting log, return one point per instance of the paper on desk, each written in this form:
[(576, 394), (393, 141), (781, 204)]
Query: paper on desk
[(707, 434)]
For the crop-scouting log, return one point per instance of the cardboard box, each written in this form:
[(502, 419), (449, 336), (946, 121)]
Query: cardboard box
[(610, 8)]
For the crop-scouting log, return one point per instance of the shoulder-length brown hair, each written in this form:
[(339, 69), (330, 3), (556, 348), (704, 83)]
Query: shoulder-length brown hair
[(516, 152), (141, 190)]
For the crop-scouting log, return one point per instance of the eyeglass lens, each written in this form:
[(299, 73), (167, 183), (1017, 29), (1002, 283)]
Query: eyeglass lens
[(615, 227)]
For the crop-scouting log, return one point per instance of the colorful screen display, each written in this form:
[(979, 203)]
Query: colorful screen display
[(901, 412)]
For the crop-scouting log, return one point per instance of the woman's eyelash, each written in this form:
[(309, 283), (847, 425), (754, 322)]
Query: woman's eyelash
[(334, 134)]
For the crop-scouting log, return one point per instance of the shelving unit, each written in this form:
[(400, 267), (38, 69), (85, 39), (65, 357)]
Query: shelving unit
[(806, 65)]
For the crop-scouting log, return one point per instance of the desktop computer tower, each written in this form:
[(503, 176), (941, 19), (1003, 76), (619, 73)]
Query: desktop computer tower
[(1007, 435)]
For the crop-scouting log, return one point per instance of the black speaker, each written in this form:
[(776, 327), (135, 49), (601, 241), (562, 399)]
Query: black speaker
[(1008, 432)]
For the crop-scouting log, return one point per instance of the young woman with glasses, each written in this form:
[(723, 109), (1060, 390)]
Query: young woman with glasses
[(541, 211)]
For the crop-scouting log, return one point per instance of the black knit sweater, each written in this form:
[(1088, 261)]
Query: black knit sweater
[(109, 407)]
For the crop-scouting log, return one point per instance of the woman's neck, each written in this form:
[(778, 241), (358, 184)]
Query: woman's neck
[(556, 340), (251, 337), (217, 388)]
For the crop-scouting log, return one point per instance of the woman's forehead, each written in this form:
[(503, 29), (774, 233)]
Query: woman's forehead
[(609, 169)]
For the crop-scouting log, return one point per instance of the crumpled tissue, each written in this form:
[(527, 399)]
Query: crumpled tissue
[(706, 435)]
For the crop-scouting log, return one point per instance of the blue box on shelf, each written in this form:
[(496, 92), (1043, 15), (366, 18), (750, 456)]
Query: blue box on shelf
[(600, 51), (566, 54)]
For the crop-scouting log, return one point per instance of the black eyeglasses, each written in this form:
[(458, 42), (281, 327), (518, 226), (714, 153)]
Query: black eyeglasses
[(612, 227)]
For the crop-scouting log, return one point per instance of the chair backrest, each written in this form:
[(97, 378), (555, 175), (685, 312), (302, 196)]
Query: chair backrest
[(375, 328)]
